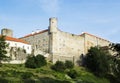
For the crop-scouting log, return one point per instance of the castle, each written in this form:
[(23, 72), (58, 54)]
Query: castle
[(58, 45)]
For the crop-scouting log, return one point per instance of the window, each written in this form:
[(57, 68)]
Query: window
[(23, 47), (28, 47), (15, 44)]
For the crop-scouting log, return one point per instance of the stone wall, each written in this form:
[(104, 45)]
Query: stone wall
[(67, 46), (62, 45), (39, 42), (7, 32), (91, 41)]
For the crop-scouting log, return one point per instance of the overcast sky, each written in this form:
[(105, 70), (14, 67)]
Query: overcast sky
[(97, 17)]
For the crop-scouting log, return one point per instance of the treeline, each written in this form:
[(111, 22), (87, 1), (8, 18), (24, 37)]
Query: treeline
[(104, 62)]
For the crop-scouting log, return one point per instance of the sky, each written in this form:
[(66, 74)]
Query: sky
[(97, 17)]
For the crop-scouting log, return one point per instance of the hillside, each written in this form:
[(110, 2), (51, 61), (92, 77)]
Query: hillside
[(19, 74)]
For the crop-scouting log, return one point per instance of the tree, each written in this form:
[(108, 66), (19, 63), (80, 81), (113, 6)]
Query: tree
[(3, 46), (98, 61), (115, 47)]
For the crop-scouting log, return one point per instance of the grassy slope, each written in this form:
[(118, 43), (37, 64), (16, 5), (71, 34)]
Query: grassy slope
[(20, 74)]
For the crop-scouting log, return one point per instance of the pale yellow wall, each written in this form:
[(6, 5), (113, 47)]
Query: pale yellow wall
[(70, 44), (91, 41)]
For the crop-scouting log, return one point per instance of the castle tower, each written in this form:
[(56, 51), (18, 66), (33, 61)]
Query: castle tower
[(7, 32), (53, 38), (53, 24)]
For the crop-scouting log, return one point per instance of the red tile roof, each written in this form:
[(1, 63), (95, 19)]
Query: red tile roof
[(15, 39), (94, 36), (35, 33)]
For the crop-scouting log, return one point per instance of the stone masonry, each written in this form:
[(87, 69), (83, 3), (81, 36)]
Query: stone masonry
[(59, 45)]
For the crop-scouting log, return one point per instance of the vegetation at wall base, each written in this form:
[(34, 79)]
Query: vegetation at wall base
[(98, 61), (59, 66), (101, 68), (35, 61), (62, 66), (69, 64), (115, 66), (16, 73)]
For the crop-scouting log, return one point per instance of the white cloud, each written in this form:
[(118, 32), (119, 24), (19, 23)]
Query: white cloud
[(50, 6)]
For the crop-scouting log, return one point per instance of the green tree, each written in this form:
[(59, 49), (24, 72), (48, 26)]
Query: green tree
[(115, 47), (3, 46), (98, 61)]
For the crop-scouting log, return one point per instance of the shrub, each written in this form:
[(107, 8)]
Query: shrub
[(30, 62), (3, 80), (26, 75), (35, 61), (69, 64), (40, 60), (59, 66), (72, 73)]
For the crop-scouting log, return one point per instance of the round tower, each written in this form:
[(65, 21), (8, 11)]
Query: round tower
[(53, 24), (7, 32)]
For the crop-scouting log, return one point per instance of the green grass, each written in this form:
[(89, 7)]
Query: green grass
[(12, 73)]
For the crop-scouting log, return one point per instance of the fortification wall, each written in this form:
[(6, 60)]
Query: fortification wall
[(91, 41), (39, 42), (68, 46)]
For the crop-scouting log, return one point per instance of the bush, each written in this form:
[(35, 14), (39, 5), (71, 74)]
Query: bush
[(72, 73), (3, 80), (40, 60), (30, 62), (59, 66), (26, 75), (69, 64), (35, 62)]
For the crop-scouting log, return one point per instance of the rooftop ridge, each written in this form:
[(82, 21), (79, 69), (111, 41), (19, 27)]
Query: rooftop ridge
[(35, 33), (93, 36), (15, 39)]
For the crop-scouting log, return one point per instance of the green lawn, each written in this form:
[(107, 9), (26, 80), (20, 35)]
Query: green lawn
[(12, 73)]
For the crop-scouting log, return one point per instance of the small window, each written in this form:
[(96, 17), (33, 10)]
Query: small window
[(23, 47)]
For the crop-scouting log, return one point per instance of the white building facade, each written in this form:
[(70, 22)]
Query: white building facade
[(17, 49)]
